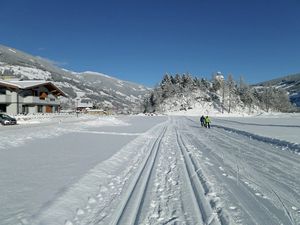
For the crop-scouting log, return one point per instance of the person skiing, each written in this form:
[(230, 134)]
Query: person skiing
[(202, 120), (207, 122)]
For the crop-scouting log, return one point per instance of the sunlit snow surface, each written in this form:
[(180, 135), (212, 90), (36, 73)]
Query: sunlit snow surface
[(85, 170)]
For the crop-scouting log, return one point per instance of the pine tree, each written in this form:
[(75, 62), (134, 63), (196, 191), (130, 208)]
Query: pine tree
[(246, 94), (166, 86)]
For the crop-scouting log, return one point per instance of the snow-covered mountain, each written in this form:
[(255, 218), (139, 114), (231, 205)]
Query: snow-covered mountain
[(290, 83), (105, 91)]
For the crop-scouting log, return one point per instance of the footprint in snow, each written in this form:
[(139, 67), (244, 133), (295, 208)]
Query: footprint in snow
[(79, 212), (153, 204), (91, 200), (294, 208), (102, 188), (232, 208), (68, 222), (212, 194), (24, 221), (99, 196), (208, 163), (88, 208)]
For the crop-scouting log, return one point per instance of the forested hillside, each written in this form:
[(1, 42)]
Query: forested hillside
[(185, 92)]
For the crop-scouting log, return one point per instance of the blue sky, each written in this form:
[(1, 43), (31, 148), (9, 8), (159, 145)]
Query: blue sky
[(141, 40)]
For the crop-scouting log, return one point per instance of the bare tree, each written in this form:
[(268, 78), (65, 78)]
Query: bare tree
[(230, 84)]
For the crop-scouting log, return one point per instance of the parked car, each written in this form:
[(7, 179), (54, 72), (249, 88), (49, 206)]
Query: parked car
[(7, 120)]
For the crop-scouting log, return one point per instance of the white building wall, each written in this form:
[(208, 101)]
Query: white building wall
[(11, 109), (13, 100), (32, 109)]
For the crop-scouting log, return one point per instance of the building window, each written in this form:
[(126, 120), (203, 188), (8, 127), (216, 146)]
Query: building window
[(2, 108), (2, 91), (40, 108), (26, 93), (35, 93), (43, 95), (25, 109)]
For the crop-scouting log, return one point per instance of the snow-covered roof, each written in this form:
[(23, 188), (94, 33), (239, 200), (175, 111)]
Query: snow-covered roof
[(220, 77), (18, 84), (28, 83), (85, 104)]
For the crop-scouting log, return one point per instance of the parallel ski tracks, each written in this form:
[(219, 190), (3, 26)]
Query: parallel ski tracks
[(199, 190), (129, 209), (230, 140)]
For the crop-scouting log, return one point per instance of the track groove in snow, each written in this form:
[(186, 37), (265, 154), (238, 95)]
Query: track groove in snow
[(260, 178), (285, 145), (198, 187), (129, 210)]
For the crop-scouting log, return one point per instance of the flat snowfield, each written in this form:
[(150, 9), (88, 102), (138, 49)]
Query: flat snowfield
[(151, 170)]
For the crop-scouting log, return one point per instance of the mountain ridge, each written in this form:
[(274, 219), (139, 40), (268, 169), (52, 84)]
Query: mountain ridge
[(290, 83), (105, 91), (110, 92)]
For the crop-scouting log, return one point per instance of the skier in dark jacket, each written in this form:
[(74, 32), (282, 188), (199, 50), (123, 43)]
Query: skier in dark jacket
[(202, 120)]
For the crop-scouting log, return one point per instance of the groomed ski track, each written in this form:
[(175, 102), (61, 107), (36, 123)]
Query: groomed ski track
[(135, 208), (186, 174)]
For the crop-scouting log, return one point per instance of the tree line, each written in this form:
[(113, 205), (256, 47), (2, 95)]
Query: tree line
[(224, 93)]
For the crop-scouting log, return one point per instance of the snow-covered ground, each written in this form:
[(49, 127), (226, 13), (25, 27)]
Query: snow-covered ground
[(150, 170), (283, 127)]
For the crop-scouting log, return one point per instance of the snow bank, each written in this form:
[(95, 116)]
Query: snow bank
[(285, 145), (281, 129)]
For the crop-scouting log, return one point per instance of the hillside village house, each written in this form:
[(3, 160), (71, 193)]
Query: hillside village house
[(29, 97)]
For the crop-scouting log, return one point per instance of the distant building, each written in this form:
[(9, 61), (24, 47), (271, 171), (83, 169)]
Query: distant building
[(97, 112), (82, 104), (30, 96), (218, 76)]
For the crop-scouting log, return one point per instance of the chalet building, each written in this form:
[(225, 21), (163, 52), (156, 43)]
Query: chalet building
[(29, 97)]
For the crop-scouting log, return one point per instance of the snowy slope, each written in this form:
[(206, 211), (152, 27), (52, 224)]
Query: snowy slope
[(290, 83), (104, 90)]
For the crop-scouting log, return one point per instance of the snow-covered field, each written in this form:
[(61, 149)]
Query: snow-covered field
[(283, 127), (150, 170)]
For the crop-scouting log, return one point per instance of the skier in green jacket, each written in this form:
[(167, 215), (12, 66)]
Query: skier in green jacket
[(207, 122)]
